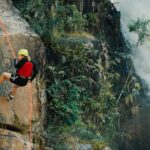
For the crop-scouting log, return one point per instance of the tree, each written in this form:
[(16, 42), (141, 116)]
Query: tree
[(141, 27)]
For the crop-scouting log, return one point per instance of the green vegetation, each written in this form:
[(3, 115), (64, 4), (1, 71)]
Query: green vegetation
[(81, 85), (80, 98), (50, 19), (141, 27)]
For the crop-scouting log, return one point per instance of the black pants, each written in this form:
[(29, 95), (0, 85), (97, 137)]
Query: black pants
[(16, 79)]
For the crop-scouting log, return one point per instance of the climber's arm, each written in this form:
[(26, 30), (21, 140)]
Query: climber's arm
[(19, 64), (15, 63)]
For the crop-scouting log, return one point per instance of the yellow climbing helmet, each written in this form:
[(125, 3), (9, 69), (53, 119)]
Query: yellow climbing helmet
[(23, 52)]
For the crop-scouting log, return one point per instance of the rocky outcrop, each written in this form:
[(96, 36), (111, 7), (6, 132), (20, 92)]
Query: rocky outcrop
[(15, 114), (14, 141)]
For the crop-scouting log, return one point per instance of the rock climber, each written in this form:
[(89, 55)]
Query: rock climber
[(25, 71)]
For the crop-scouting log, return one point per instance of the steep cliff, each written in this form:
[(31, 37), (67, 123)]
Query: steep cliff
[(85, 72), (136, 122), (14, 116)]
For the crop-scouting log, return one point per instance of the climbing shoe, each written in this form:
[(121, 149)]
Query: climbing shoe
[(10, 97)]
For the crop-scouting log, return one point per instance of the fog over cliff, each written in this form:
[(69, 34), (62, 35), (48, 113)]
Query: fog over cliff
[(131, 10)]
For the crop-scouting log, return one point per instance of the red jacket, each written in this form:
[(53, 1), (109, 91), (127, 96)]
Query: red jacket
[(26, 70)]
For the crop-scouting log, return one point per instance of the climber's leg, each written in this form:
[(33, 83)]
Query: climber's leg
[(14, 90), (4, 76)]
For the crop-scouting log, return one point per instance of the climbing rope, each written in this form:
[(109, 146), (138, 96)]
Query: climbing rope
[(4, 29), (30, 113)]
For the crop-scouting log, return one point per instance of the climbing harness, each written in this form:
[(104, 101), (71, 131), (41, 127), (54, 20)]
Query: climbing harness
[(4, 29)]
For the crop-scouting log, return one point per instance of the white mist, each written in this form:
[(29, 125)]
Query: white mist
[(131, 10)]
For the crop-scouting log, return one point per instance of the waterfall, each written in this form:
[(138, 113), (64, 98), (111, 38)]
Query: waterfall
[(131, 10)]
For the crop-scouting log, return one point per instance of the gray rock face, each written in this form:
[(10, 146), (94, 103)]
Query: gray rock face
[(21, 36)]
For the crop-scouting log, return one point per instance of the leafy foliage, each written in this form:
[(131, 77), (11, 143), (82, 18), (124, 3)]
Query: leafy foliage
[(76, 91), (132, 91), (65, 101), (73, 19), (50, 19), (140, 26), (80, 90), (73, 82), (91, 21)]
